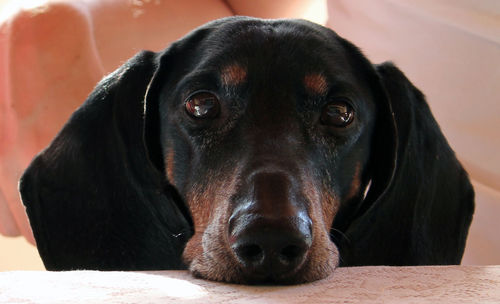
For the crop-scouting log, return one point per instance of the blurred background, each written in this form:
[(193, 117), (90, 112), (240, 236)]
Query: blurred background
[(15, 252), (450, 49)]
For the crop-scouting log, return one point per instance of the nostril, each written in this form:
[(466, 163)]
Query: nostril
[(291, 253), (249, 253)]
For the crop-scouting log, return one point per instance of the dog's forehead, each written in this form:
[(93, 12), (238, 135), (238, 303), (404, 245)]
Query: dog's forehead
[(270, 49)]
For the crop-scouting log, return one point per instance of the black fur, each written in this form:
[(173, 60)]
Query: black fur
[(98, 196)]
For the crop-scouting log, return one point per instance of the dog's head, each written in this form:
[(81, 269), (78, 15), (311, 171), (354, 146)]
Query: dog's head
[(246, 148), (265, 130)]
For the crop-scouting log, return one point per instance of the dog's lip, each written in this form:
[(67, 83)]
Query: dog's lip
[(265, 278)]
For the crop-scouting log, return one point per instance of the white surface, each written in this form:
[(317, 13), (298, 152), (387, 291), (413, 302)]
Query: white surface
[(452, 284)]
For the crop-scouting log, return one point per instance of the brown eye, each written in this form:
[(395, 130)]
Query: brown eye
[(338, 114), (202, 105)]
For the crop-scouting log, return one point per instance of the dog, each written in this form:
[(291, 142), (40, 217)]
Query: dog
[(250, 151)]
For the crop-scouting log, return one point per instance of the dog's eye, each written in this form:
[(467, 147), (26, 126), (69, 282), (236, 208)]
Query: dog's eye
[(338, 114), (202, 105)]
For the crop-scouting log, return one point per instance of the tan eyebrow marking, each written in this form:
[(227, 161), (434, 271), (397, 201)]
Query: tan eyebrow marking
[(316, 83), (233, 74)]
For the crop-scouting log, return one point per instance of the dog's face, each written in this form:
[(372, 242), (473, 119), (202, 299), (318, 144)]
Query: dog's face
[(265, 134), (242, 151)]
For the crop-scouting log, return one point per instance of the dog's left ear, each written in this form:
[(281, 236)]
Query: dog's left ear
[(421, 202)]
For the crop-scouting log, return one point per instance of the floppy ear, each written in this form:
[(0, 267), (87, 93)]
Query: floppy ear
[(421, 208), (94, 197)]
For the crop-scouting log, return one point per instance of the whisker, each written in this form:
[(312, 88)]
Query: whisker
[(340, 233)]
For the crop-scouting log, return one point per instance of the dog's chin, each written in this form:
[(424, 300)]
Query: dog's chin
[(221, 266)]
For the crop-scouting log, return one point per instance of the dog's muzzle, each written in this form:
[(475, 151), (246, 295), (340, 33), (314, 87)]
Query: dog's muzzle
[(270, 232)]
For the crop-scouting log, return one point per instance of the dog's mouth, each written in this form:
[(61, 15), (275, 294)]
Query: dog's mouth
[(255, 250), (270, 227), (221, 265)]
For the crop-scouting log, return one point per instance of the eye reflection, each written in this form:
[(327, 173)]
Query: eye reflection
[(202, 105), (338, 114)]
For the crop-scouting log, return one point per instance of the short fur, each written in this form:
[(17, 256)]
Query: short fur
[(132, 182)]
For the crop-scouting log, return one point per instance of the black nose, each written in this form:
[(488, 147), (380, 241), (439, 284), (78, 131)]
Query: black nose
[(270, 232), (267, 252)]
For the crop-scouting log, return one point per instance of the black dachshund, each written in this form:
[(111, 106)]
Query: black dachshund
[(250, 151)]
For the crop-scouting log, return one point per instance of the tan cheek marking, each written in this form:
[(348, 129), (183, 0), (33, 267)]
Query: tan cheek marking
[(193, 248), (205, 204), (207, 252), (233, 75), (199, 203), (316, 83), (170, 166), (330, 206), (323, 204), (323, 255), (356, 182)]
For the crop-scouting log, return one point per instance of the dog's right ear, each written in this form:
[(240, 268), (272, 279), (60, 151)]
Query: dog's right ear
[(94, 197)]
